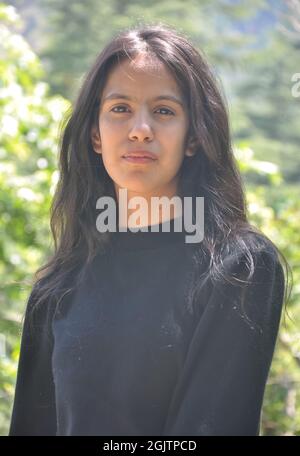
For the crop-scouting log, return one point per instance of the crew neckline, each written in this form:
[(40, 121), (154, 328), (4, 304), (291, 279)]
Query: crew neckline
[(130, 240)]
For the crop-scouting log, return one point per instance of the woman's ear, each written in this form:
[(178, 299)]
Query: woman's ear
[(191, 148), (96, 140)]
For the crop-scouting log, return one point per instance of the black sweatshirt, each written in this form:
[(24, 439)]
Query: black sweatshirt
[(130, 353)]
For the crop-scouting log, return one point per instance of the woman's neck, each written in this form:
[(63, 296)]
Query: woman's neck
[(141, 210)]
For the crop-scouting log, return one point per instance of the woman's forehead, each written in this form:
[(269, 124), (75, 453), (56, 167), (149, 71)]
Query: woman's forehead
[(140, 73)]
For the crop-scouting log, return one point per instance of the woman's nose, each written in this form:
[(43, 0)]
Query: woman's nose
[(141, 128)]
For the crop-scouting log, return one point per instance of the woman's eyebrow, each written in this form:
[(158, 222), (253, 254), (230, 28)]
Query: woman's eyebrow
[(116, 95)]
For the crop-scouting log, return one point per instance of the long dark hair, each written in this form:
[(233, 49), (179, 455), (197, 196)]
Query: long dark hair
[(212, 171)]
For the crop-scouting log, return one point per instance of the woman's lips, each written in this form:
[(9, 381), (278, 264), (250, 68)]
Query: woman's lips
[(132, 159)]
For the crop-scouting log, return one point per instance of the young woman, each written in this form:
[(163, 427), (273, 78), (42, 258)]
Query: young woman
[(136, 332)]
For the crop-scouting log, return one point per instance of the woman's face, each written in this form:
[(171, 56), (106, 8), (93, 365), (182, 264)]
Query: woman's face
[(142, 122)]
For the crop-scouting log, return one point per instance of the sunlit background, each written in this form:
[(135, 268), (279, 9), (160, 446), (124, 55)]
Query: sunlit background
[(46, 46)]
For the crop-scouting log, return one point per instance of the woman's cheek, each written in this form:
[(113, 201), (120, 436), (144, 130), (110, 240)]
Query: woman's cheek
[(108, 123), (112, 120)]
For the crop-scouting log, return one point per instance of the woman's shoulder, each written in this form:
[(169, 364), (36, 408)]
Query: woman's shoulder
[(251, 259), (251, 247), (42, 301)]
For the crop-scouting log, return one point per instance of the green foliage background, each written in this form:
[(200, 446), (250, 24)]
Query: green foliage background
[(36, 88)]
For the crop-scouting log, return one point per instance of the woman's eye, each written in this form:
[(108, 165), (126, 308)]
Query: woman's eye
[(168, 110), (120, 110), (118, 107)]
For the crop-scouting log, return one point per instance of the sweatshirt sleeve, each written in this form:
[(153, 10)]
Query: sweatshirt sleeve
[(33, 410), (221, 387)]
